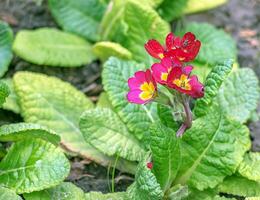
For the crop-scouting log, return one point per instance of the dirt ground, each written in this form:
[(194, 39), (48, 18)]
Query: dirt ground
[(241, 18)]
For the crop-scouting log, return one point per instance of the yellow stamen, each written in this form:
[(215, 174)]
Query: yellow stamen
[(164, 76), (183, 82), (148, 91), (161, 56)]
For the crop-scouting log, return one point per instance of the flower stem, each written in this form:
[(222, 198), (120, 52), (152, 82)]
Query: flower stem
[(188, 120)]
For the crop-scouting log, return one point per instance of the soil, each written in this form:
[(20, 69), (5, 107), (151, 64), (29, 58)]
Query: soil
[(238, 17)]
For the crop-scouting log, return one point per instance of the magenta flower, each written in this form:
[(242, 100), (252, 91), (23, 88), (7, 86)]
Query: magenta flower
[(143, 87), (179, 79), (161, 70)]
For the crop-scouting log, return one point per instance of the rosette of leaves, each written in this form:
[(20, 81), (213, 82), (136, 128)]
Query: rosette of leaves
[(205, 162)]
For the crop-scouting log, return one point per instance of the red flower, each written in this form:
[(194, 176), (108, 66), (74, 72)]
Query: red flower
[(185, 49), (155, 49), (161, 70), (149, 165), (143, 87), (179, 79)]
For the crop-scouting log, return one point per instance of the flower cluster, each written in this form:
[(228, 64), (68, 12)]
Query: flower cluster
[(171, 71)]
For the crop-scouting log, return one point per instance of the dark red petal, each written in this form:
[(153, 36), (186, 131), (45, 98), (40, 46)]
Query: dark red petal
[(188, 39), (175, 73), (169, 41), (154, 48)]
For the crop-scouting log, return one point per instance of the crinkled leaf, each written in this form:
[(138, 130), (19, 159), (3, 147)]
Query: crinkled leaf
[(136, 117), (106, 49), (145, 185), (167, 116), (194, 6), (6, 40), (165, 154), (238, 185), (32, 165), (21, 131), (64, 191), (102, 128), (11, 102), (216, 45), (7, 194), (57, 105), (201, 70), (144, 23), (4, 92), (108, 196), (80, 17), (212, 84), (49, 46), (178, 192), (239, 95), (172, 9), (250, 166), (212, 149)]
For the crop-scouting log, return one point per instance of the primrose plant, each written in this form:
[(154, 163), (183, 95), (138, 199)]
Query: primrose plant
[(171, 72)]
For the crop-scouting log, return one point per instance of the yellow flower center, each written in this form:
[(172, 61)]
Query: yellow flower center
[(183, 82), (148, 91), (161, 55), (164, 76)]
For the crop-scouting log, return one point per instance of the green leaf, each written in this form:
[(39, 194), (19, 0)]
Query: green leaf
[(165, 154), (103, 101), (112, 27), (145, 185), (178, 192), (172, 9), (210, 155), (253, 198), (238, 185), (33, 164), (212, 84), (109, 196), (103, 129), (214, 49), (144, 23), (80, 17), (106, 49), (49, 46), (11, 102), (58, 106), (136, 117), (21, 131), (194, 6), (167, 116), (195, 194), (7, 194), (201, 70), (4, 92), (239, 95), (250, 166), (6, 40), (64, 191)]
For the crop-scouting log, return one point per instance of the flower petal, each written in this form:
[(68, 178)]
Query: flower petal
[(197, 87), (155, 49), (133, 96)]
